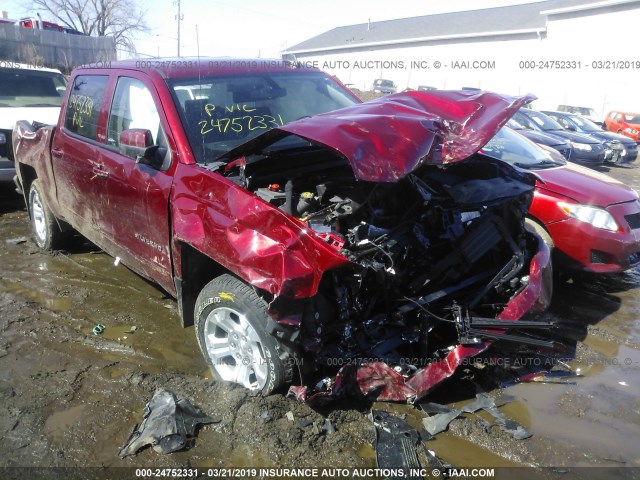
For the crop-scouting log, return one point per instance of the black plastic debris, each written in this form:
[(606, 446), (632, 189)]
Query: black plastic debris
[(441, 416), (396, 443), (168, 425)]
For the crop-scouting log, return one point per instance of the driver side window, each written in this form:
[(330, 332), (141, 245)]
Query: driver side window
[(132, 107)]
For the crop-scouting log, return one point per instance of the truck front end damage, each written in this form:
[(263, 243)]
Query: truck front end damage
[(439, 263)]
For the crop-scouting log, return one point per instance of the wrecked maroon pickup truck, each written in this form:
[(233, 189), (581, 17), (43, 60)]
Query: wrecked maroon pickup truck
[(312, 239)]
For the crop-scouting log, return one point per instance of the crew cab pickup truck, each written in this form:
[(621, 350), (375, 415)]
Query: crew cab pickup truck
[(302, 231)]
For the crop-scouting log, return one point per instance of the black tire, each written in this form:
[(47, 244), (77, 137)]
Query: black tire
[(230, 315), (44, 225)]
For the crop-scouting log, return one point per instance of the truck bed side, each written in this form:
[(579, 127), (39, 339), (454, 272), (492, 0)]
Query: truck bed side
[(32, 152)]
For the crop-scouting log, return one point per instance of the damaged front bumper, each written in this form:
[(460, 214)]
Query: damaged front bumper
[(380, 381)]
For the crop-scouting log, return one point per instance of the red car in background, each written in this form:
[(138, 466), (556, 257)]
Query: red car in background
[(591, 219), (626, 123)]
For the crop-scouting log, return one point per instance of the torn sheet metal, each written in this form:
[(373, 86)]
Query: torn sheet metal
[(442, 416), (168, 425), (263, 245), (379, 381), (387, 138)]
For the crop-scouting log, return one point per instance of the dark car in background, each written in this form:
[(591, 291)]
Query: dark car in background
[(561, 145), (384, 86), (590, 220), (623, 149), (625, 123), (584, 149)]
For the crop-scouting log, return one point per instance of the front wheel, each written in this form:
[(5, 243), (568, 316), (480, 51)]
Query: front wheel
[(230, 321), (46, 231)]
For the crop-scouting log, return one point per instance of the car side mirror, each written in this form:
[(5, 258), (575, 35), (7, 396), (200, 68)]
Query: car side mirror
[(137, 143)]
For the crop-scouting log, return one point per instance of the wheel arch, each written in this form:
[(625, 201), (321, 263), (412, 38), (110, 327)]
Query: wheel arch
[(538, 227), (196, 270), (27, 176)]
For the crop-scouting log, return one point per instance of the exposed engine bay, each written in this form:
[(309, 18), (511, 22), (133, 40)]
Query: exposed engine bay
[(429, 254)]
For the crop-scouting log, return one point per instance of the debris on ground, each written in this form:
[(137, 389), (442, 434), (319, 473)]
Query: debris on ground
[(328, 427), (16, 241), (396, 442), (98, 329), (169, 425), (442, 416)]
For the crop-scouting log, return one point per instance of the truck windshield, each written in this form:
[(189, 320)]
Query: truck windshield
[(221, 112), (29, 88)]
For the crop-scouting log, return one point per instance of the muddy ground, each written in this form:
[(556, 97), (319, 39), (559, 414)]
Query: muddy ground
[(70, 398)]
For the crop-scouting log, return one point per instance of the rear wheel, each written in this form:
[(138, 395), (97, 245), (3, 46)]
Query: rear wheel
[(44, 225), (230, 322)]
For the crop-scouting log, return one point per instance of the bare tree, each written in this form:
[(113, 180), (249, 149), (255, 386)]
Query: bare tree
[(120, 19)]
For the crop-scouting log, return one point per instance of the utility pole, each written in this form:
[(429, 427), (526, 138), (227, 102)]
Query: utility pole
[(179, 18)]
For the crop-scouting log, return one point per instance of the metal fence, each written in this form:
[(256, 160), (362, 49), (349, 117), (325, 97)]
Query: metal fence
[(45, 48)]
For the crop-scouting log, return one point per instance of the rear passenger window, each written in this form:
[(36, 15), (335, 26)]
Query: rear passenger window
[(83, 107)]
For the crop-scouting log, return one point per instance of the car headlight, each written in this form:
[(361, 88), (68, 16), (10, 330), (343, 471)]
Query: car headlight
[(3, 139), (598, 217), (585, 147)]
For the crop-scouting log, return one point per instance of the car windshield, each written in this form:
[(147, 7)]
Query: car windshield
[(632, 118), (542, 121), (221, 112), (29, 88), (383, 83), (513, 148), (585, 124)]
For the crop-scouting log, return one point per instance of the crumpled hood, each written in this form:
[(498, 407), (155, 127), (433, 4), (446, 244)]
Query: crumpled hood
[(387, 138)]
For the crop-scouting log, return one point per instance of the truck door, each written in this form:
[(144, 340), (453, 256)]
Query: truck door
[(75, 152), (136, 194)]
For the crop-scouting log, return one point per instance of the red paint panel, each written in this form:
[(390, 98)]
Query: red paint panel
[(387, 138), (264, 246)]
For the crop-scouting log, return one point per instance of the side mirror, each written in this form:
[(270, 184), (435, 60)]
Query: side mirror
[(137, 143)]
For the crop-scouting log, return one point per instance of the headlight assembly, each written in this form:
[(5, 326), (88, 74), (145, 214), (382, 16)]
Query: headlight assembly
[(598, 217)]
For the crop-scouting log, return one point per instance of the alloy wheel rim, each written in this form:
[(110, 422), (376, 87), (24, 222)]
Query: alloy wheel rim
[(39, 221), (235, 349)]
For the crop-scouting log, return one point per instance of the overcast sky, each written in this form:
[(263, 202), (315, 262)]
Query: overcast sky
[(252, 28)]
